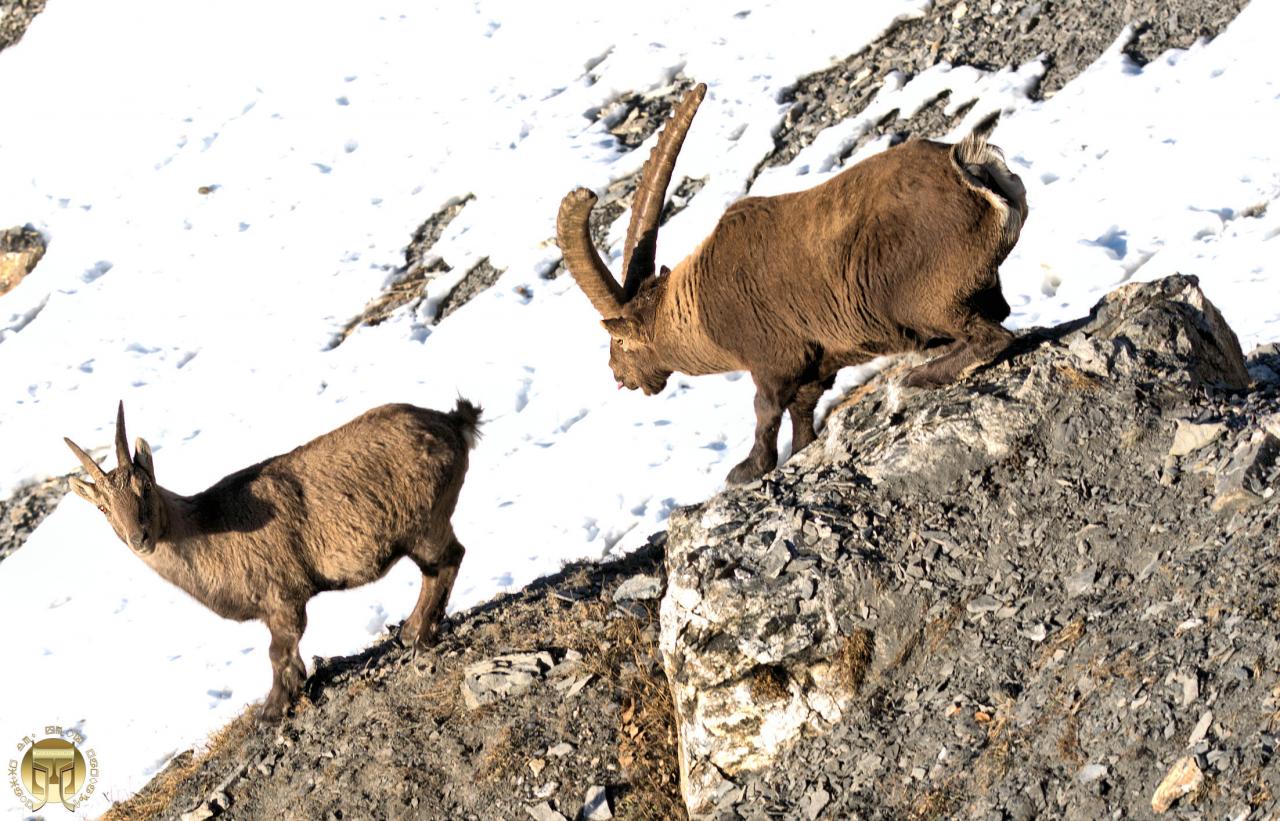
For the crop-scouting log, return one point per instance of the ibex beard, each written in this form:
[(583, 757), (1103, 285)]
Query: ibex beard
[(898, 253), (332, 514)]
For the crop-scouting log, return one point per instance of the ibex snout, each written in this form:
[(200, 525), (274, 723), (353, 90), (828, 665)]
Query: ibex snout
[(142, 542)]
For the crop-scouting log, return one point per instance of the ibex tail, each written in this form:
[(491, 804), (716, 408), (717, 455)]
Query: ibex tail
[(982, 166), (467, 416)]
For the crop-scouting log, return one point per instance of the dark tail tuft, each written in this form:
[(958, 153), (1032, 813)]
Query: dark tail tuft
[(982, 167), (973, 148), (467, 415)]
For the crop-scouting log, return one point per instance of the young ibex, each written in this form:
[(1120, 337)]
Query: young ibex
[(332, 514), (898, 253)]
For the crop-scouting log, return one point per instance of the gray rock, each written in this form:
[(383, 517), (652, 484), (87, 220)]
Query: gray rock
[(1201, 729), (638, 588), (1242, 482), (815, 801), (595, 807), (1190, 436), (503, 676), (20, 249), (984, 604), (544, 812), (1081, 583)]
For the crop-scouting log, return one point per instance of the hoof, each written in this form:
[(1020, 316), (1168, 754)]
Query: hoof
[(417, 638), (801, 444), (270, 714), (745, 472), (923, 377)]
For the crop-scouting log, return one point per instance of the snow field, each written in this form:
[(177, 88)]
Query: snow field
[(327, 134)]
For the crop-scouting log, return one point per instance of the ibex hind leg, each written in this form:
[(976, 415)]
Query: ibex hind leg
[(801, 412), (439, 561), (288, 671)]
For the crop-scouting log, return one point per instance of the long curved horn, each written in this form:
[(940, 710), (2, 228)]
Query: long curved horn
[(90, 466), (573, 233), (122, 441), (646, 208)]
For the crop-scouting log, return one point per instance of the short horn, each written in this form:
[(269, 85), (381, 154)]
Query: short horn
[(122, 440), (573, 233), (90, 466)]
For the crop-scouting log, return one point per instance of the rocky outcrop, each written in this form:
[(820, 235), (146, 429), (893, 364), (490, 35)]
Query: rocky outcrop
[(1019, 595), (15, 16), (20, 250), (1065, 35), (25, 509)]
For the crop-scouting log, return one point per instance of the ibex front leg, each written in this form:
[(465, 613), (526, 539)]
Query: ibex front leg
[(773, 395), (288, 672), (981, 342)]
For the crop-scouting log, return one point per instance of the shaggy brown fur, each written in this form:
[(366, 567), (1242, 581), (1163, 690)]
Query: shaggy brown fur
[(334, 513), (898, 253)]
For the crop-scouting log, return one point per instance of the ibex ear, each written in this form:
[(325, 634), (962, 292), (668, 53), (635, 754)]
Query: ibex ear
[(142, 457), (631, 332), (83, 489)]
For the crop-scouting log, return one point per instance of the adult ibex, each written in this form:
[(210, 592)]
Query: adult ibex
[(332, 514), (898, 253)]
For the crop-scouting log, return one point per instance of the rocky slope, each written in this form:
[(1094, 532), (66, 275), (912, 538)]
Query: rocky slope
[(15, 16), (549, 703), (1033, 594), (1037, 593), (1028, 595), (1067, 35)]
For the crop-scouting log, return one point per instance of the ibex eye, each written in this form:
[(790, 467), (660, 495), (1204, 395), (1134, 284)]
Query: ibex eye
[(103, 508)]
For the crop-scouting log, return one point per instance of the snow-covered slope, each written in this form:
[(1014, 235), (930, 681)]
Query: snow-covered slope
[(327, 132)]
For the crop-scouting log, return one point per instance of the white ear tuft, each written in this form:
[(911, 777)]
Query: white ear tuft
[(83, 489), (142, 457)]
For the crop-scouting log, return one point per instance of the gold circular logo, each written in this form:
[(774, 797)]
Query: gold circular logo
[(54, 771)]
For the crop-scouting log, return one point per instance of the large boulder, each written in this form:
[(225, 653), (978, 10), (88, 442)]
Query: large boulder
[(967, 600)]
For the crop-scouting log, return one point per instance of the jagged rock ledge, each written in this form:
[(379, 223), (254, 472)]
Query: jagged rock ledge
[(1004, 599)]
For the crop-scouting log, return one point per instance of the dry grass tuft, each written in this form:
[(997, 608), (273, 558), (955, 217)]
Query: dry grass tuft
[(854, 661), (157, 796), (1064, 638), (1077, 379), (502, 756), (442, 693), (647, 750), (940, 627), (993, 763), (1069, 743), (768, 683), (938, 803)]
